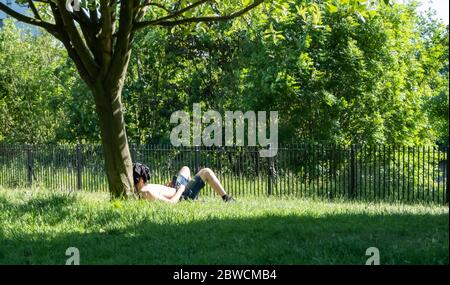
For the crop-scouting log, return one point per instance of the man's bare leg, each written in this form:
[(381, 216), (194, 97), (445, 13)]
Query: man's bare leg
[(186, 172), (209, 177)]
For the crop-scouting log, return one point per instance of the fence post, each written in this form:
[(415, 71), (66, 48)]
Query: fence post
[(196, 159), (79, 167), (446, 177), (352, 190), (220, 158), (270, 176), (29, 165), (133, 152)]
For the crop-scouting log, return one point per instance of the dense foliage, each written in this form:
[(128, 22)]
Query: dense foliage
[(41, 97), (335, 74)]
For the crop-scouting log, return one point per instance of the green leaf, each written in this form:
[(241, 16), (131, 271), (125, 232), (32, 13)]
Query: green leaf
[(332, 8)]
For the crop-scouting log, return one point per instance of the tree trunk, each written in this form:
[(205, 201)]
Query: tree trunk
[(118, 162)]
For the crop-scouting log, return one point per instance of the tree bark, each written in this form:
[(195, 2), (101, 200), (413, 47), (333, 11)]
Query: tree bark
[(118, 162)]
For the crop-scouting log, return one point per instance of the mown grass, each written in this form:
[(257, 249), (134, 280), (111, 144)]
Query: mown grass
[(37, 226)]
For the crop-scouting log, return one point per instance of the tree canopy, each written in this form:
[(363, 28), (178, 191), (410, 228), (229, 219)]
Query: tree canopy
[(339, 78)]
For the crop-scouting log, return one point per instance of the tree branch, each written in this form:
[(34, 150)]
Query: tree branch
[(90, 31), (93, 16), (106, 36), (76, 40), (161, 6), (62, 36), (121, 54), (141, 25), (140, 10), (32, 21), (34, 10)]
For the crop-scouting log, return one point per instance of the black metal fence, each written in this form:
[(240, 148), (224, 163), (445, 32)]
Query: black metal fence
[(371, 173)]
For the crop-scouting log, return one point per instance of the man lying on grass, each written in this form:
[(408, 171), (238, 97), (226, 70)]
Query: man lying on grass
[(182, 187)]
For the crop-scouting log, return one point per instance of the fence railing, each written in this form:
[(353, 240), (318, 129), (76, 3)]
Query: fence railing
[(372, 173)]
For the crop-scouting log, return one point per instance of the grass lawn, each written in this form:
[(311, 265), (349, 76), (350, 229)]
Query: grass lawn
[(37, 226)]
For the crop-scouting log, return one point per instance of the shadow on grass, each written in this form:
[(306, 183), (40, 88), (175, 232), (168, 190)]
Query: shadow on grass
[(53, 208), (333, 239)]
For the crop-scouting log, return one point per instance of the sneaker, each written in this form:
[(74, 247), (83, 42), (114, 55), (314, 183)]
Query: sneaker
[(228, 199)]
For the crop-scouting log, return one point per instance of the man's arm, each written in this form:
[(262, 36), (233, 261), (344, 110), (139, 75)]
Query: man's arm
[(147, 194)]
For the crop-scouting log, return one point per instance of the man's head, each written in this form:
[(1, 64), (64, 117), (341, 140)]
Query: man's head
[(141, 174)]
